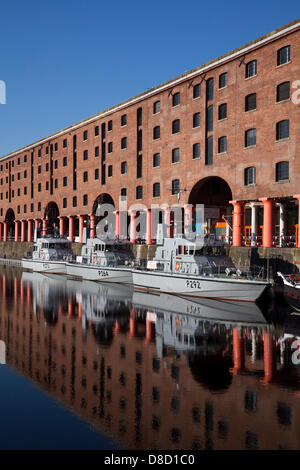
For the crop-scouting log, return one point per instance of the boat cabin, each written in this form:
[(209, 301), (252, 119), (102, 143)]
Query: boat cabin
[(183, 256), (51, 249), (106, 253)]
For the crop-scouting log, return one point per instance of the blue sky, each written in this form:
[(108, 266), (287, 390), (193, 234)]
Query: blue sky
[(63, 61)]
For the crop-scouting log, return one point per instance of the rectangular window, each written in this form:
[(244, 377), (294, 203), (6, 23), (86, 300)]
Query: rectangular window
[(65, 143), (196, 120), (250, 175), (74, 201), (109, 147), (210, 89), (109, 125), (156, 107), (282, 171), (110, 170), (222, 144), (196, 91), (85, 135), (251, 69), (156, 132), (65, 161), (55, 147), (124, 143), (284, 55), (209, 151), (175, 155), (196, 150), (175, 187), (65, 181), (223, 80), (176, 99), (85, 155), (139, 117), (96, 131), (124, 120), (96, 174), (222, 111), (176, 126), (210, 118), (96, 151), (156, 190), (250, 137), (123, 168), (139, 192), (85, 200), (85, 176), (139, 166), (156, 160), (250, 102)]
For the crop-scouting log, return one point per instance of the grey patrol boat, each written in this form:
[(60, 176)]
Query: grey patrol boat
[(179, 267)]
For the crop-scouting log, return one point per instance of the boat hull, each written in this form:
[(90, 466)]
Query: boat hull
[(292, 296), (54, 267), (96, 273), (199, 287)]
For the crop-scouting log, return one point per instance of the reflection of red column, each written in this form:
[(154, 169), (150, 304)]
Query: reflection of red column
[(59, 310), (1, 231), (23, 230), (44, 231), (92, 226), (117, 213), (238, 351), (62, 226), (149, 331), (269, 358), (21, 292), (117, 327), (29, 230), (298, 241), (70, 307), (79, 310), (15, 289), (268, 230), (71, 228), (5, 230), (16, 230), (132, 227), (4, 286), (81, 221), (28, 293), (132, 323), (237, 225), (148, 233)]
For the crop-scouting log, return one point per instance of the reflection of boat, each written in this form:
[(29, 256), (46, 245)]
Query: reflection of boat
[(291, 289), (191, 326), (49, 255), (97, 300), (179, 267), (246, 313), (103, 260)]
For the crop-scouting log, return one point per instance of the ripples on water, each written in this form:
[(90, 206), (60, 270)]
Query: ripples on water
[(112, 368)]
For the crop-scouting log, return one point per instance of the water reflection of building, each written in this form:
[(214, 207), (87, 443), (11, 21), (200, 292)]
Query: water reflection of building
[(243, 394)]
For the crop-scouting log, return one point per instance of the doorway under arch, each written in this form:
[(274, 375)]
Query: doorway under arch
[(10, 219), (215, 193)]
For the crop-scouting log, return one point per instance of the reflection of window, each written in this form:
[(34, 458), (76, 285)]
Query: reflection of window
[(284, 414), (250, 401)]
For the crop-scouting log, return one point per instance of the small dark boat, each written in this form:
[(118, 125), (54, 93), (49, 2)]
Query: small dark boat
[(291, 289)]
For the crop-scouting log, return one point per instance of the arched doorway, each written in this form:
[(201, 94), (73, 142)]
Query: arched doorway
[(51, 215), (215, 193), (10, 219)]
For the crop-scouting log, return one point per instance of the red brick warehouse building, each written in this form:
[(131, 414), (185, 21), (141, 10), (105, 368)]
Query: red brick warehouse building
[(226, 134)]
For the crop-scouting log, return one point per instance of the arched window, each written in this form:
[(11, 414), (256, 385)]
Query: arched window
[(282, 171), (176, 126), (251, 69), (283, 91), (175, 186), (250, 102), (284, 55), (250, 137), (223, 111), (176, 99), (250, 175), (282, 129)]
